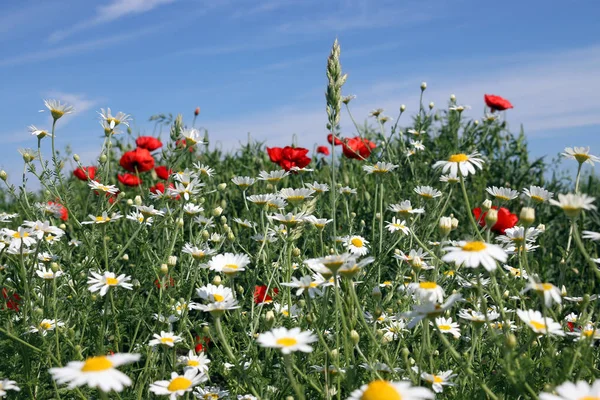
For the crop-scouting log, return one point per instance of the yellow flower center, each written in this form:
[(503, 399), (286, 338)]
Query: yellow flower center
[(590, 398), (17, 235), (427, 285), (474, 246), (199, 255), (285, 312), (333, 264), (211, 396), (437, 379), (95, 364), (580, 157), (461, 157), (380, 390), (218, 297), (295, 198), (501, 197), (449, 273), (166, 340), (112, 281), (231, 266), (46, 325), (286, 342), (444, 327), (546, 286), (426, 195), (179, 383), (538, 325), (192, 363), (537, 198), (102, 219), (387, 283), (356, 242)]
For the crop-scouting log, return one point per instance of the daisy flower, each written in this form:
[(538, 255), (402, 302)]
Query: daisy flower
[(473, 254), (47, 273), (356, 245), (445, 325), (186, 190), (591, 235), (518, 235), (58, 109), (6, 384), (229, 263), (387, 390), (416, 132), (40, 133), (22, 236), (289, 219), (139, 218), (538, 194), (196, 252), (393, 330), (243, 182), (460, 162), (477, 316), (318, 187), (95, 185), (397, 225), (45, 325), (102, 219), (430, 310), (96, 372), (427, 291), (318, 223), (502, 193), (427, 192), (287, 341), (273, 176), (350, 269), (204, 169), (589, 331), (6, 217), (165, 338), (329, 265), (195, 361), (379, 168), (210, 392), (215, 293), (516, 272), (536, 321), (114, 120), (581, 154), (178, 385), (192, 136), (304, 283), (439, 380), (295, 196), (150, 211), (450, 178), (286, 311), (192, 209), (405, 208), (550, 292), (244, 222), (347, 190), (580, 390), (572, 204), (417, 144), (260, 199), (102, 282)]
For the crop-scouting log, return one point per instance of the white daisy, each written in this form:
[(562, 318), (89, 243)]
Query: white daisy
[(473, 254), (445, 325), (427, 192), (460, 162), (502, 193), (572, 204), (550, 292), (427, 291), (102, 282), (430, 310), (397, 225), (516, 272), (229, 263), (379, 168), (192, 209), (439, 380), (273, 176), (58, 109), (114, 120), (192, 136), (165, 338), (195, 361), (591, 235), (538, 194), (295, 196), (450, 178), (95, 185), (581, 154), (45, 326), (356, 245), (287, 341), (243, 182), (47, 273), (580, 390), (540, 324), (40, 133), (178, 385), (405, 208), (318, 187), (7, 384), (387, 390)]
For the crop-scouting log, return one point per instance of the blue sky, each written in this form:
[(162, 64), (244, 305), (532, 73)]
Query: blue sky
[(258, 66)]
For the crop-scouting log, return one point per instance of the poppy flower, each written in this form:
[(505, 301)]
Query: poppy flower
[(323, 150), (148, 142), (81, 173), (261, 295), (12, 300), (202, 343), (129, 179), (169, 282), (505, 221), (139, 160), (62, 212), (163, 172), (358, 148), (337, 141), (497, 103), (288, 157)]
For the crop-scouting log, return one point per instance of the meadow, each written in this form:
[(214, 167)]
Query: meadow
[(423, 255)]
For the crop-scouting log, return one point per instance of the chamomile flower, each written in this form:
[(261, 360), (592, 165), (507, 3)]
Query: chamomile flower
[(538, 194), (516, 272), (178, 385), (210, 393), (45, 326), (518, 235), (7, 384), (58, 109), (591, 235), (287, 341), (195, 361), (139, 218), (40, 133), (580, 390), (502, 193), (103, 282), (192, 209), (6, 217), (305, 283), (550, 292), (347, 190), (540, 324), (461, 162), (244, 223), (47, 273), (186, 190), (165, 338), (581, 154), (405, 208), (356, 245), (243, 182), (416, 132), (95, 185), (417, 144), (478, 317), (21, 237), (318, 223), (150, 211), (450, 178), (427, 291), (215, 293), (387, 390), (572, 204), (295, 196), (114, 120), (379, 168), (445, 325), (330, 264), (289, 219), (229, 263), (393, 330), (204, 169), (192, 136), (430, 310), (318, 187), (397, 225), (427, 192), (96, 372), (439, 380), (286, 311), (273, 176), (475, 253)]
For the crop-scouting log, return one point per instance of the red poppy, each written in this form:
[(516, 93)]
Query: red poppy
[(160, 187), (149, 143), (169, 282), (163, 172), (139, 159), (288, 157), (12, 300), (129, 179), (81, 173), (197, 111), (337, 141), (61, 211), (323, 150), (261, 295), (358, 148), (202, 343), (505, 221), (497, 103)]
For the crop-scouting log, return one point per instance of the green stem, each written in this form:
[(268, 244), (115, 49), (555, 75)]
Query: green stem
[(468, 204), (290, 372)]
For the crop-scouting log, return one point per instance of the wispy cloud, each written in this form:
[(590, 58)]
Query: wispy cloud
[(110, 12)]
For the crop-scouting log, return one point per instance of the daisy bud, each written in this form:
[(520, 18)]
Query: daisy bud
[(3, 175), (138, 200), (270, 316), (103, 159), (452, 98), (354, 336), (230, 237), (423, 85), (476, 122), (402, 108), (38, 311), (376, 293), (396, 251), (94, 297), (76, 157), (224, 221), (172, 261), (136, 283), (269, 186), (362, 222), (527, 215), (506, 294), (217, 211), (378, 215), (332, 251), (436, 353), (296, 252), (55, 267), (541, 228), (62, 226), (491, 218), (367, 196), (216, 280), (431, 105), (486, 205), (129, 202), (205, 234), (445, 225), (289, 398), (454, 223), (222, 186), (179, 222), (126, 257), (164, 268), (563, 291), (197, 111), (335, 353)]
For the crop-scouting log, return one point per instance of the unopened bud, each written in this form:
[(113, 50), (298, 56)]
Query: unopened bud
[(511, 341), (445, 225), (527, 215), (62, 226), (476, 122), (452, 98), (335, 353), (402, 108), (296, 252), (270, 316), (197, 111), (172, 261), (491, 218), (103, 159), (205, 234), (164, 268), (55, 267), (3, 175), (76, 157), (423, 85), (129, 202), (138, 200), (230, 237), (454, 223), (486, 205), (126, 257), (222, 186), (376, 292), (216, 280), (179, 222), (352, 215), (541, 228), (431, 105), (217, 211)]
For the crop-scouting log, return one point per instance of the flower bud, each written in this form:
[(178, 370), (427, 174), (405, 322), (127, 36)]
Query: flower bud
[(138, 200), (270, 316), (62, 226), (454, 223), (222, 186), (527, 215), (405, 352), (55, 267), (491, 218), (205, 234), (179, 222), (445, 225), (476, 122), (125, 257), (3, 175), (423, 85), (216, 280), (378, 215), (76, 157), (296, 252), (402, 108), (431, 105), (354, 336), (376, 292), (217, 211), (103, 159), (164, 268), (129, 202), (230, 237), (172, 261), (197, 111), (224, 221), (352, 215), (452, 98), (486, 205), (511, 341), (541, 228), (335, 353)]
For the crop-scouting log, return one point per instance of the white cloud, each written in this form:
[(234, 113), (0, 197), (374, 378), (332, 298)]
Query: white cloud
[(112, 11)]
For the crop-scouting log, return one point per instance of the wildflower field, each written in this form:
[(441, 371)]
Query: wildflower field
[(424, 255)]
